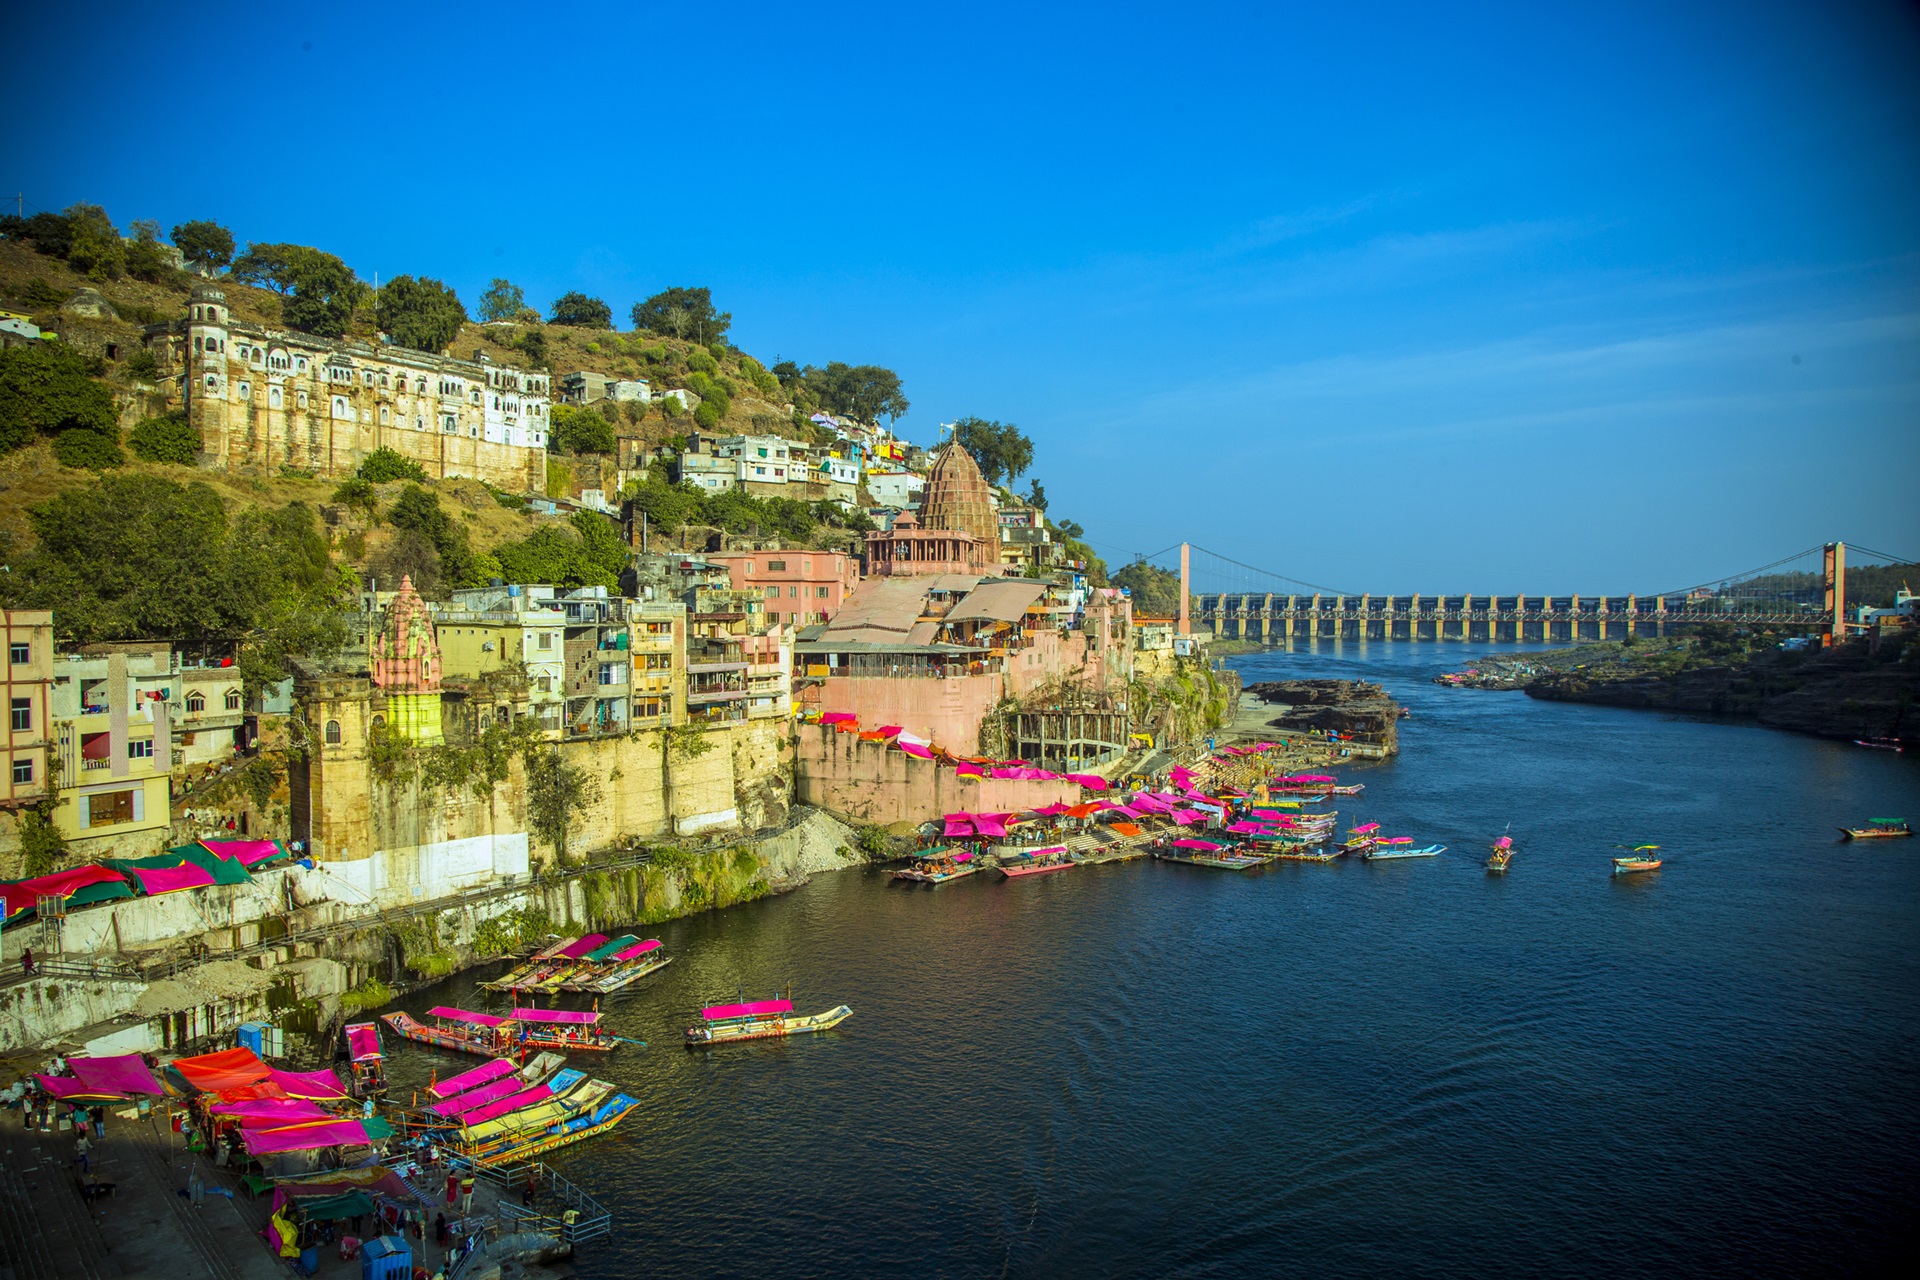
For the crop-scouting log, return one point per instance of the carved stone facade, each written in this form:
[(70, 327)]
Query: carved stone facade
[(405, 665), (266, 398)]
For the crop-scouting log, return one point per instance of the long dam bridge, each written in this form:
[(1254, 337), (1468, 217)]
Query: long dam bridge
[(1806, 591)]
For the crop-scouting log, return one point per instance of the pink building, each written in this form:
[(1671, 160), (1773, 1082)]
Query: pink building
[(800, 587)]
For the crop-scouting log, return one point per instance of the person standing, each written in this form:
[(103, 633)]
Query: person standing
[(99, 1124), (80, 1148), (26, 961), (466, 1196)]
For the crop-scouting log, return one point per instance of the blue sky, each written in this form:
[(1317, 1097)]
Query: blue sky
[(1397, 297)]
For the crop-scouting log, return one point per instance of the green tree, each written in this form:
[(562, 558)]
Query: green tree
[(166, 439), (50, 234), (321, 291), (420, 313), (147, 258), (580, 311), (89, 450), (503, 300), (384, 465), (865, 391), (409, 554), (96, 248), (1037, 496), (533, 342), (205, 245), (47, 388), (420, 511), (357, 493), (556, 791), (683, 313), (1003, 452), (42, 847), (578, 430), (1155, 591)]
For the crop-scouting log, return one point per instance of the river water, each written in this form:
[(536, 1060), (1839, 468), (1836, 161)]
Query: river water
[(1343, 1070)]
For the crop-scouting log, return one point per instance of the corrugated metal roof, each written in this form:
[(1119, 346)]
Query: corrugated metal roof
[(1005, 600)]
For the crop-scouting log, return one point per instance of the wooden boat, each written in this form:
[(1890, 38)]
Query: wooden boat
[(365, 1059), (1639, 860), (1307, 855), (599, 963), (537, 966), (1204, 853), (1037, 863), (1877, 829), (1401, 847), (562, 1029), (602, 1118), (500, 1097), (1502, 854), (568, 1094), (629, 966), (758, 1020), (1894, 745), (939, 866), (455, 1029)]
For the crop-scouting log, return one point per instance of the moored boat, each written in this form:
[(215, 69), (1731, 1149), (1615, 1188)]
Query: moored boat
[(456, 1029), (1502, 854), (1205, 853), (628, 966), (602, 1118), (365, 1059), (562, 1029), (1038, 862), (1877, 829), (1399, 847), (939, 866), (758, 1020)]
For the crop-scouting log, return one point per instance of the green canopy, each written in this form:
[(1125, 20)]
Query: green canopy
[(620, 943), (86, 895), (223, 870), (351, 1204)]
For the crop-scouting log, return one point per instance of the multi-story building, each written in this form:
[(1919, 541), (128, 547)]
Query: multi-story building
[(599, 663), (266, 398), (113, 742), (799, 586), (210, 716), (498, 628), (897, 489), (659, 652), (29, 678), (707, 471)]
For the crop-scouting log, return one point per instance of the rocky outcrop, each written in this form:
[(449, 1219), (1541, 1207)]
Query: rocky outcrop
[(1851, 692), (1352, 708)]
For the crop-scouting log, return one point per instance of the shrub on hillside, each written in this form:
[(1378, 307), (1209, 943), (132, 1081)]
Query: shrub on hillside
[(89, 450), (709, 413), (48, 389), (702, 362), (578, 430), (356, 492), (385, 465), (168, 439)]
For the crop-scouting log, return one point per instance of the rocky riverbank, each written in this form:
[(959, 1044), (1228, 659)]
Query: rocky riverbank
[(1355, 710)]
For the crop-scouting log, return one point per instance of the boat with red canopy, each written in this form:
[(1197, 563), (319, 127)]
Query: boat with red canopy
[(625, 966), (456, 1029), (1502, 854), (365, 1060), (937, 866), (758, 1020)]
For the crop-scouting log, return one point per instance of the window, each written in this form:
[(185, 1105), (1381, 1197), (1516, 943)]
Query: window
[(273, 397), (303, 399), (776, 566), (546, 639), (233, 699), (546, 684), (23, 770), (22, 714), (792, 592), (385, 415), (333, 733), (246, 390), (196, 702), (107, 808), (140, 749), (772, 593), (820, 593), (773, 615), (20, 651)]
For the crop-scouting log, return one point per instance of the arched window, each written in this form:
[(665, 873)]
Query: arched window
[(379, 722), (196, 702), (503, 715), (233, 699), (333, 733)]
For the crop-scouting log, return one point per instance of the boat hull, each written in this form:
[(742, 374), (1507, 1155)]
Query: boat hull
[(405, 1027), (766, 1029), (1012, 873), (1633, 866), (1871, 833)]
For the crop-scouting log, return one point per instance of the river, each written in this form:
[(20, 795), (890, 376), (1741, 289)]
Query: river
[(1343, 1070)]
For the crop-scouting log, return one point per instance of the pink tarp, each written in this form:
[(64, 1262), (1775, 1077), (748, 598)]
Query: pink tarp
[(838, 717), (572, 1017), (123, 1073), (474, 1099), (68, 1089), (308, 1137), (477, 1019), (1247, 828), (958, 827), (1367, 830), (245, 852), (188, 875), (308, 1084), (1122, 811), (471, 1079), (968, 769), (1089, 781), (714, 1012), (1150, 804), (363, 1042), (270, 1113), (513, 1102), (580, 946), (638, 949), (986, 826), (1208, 845), (1187, 817), (914, 749), (1051, 811), (889, 731)]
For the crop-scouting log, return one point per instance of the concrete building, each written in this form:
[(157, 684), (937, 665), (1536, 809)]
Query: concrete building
[(585, 387), (659, 654), (29, 724), (211, 714), (898, 489), (113, 744), (491, 629), (266, 398), (707, 471), (764, 460), (599, 663), (798, 587)]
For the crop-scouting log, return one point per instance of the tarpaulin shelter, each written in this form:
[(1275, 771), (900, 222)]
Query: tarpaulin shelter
[(268, 1113), (125, 1073), (1091, 782), (569, 1017), (336, 1208), (335, 1133), (1051, 810), (227, 1069), (473, 1099), (473, 1079), (309, 1084), (1187, 817), (580, 946), (22, 896), (68, 1089), (752, 1008), (638, 949), (1207, 845), (512, 1102), (363, 1042), (248, 853), (606, 949), (187, 866), (1127, 829)]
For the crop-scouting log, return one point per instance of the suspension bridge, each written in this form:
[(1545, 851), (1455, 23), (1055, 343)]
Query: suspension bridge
[(1805, 593)]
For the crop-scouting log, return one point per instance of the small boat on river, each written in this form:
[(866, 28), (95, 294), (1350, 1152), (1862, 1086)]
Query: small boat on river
[(562, 1029), (623, 968), (1502, 854), (758, 1020), (456, 1029), (365, 1059), (1205, 853), (1878, 829), (1398, 847), (1641, 859), (939, 866), (1038, 862)]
